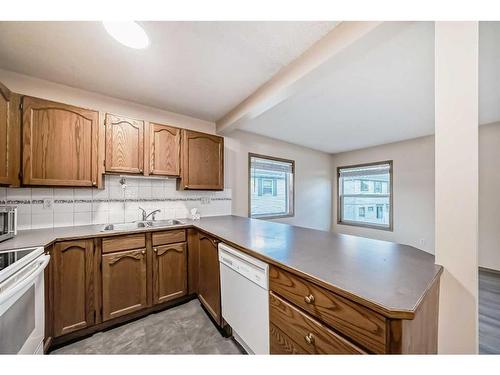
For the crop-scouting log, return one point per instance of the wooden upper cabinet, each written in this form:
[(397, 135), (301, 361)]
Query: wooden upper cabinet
[(124, 144), (169, 272), (164, 150), (208, 276), (59, 144), (124, 283), (6, 134), (202, 161), (73, 274), (10, 127)]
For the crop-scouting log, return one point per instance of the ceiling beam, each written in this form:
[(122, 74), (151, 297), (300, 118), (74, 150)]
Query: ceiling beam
[(288, 80)]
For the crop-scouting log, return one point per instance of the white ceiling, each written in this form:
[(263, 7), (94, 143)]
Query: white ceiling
[(379, 90), (201, 69)]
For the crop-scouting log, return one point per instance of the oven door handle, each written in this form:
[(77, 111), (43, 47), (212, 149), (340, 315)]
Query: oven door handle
[(42, 263)]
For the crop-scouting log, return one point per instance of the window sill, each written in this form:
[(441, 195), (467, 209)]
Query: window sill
[(369, 226), (271, 217)]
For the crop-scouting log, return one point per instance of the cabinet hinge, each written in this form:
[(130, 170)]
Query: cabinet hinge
[(21, 105)]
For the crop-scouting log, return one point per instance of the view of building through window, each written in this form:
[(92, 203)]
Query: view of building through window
[(270, 186), (365, 195)]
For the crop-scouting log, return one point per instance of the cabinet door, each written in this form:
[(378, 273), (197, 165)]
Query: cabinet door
[(169, 272), (124, 144), (10, 125), (59, 144), (164, 150), (202, 161), (209, 276), (73, 280), (124, 283)]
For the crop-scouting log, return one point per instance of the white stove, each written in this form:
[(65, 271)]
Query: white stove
[(22, 300)]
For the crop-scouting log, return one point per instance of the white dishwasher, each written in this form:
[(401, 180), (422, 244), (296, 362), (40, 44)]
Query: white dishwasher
[(244, 298)]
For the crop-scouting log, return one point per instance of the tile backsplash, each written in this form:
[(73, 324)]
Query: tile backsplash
[(57, 207)]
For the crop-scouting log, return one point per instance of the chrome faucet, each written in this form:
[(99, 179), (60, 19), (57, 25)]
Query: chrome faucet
[(145, 215)]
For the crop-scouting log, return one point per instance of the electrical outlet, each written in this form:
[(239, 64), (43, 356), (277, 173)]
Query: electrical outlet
[(205, 200), (422, 242), (47, 203)]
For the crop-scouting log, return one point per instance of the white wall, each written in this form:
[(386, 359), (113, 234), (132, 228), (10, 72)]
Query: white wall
[(414, 192), (413, 189), (313, 177), (313, 169), (26, 85), (489, 196), (457, 183)]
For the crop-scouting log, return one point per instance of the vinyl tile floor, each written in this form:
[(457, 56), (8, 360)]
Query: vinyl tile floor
[(184, 329), (489, 312)]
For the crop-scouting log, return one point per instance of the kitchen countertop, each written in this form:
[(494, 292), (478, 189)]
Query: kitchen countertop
[(387, 277)]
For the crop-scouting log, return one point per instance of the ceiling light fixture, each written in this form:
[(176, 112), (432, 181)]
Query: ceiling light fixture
[(128, 33)]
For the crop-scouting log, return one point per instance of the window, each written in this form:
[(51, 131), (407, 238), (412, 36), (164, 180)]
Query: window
[(268, 185), (365, 195), (270, 192), (380, 212)]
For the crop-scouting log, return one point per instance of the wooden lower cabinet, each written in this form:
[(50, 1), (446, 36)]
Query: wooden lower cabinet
[(124, 283), (73, 283), (169, 272), (304, 334), (349, 318), (305, 318), (208, 276)]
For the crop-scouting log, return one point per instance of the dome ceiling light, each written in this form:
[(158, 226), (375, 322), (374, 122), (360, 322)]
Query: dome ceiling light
[(128, 33)]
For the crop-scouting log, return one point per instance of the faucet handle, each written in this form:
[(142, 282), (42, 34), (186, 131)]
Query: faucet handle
[(154, 214)]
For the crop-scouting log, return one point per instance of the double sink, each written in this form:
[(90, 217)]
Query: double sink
[(141, 225)]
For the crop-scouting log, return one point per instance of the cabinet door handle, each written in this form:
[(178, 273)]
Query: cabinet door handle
[(143, 252), (155, 250), (309, 299), (309, 338)]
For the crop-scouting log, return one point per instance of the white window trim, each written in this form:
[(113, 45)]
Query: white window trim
[(389, 227), (290, 193)]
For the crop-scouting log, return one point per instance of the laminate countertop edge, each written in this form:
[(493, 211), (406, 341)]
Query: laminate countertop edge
[(90, 231)]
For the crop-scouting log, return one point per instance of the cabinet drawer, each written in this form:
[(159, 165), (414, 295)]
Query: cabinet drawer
[(363, 325), (300, 331), (170, 236), (127, 242)]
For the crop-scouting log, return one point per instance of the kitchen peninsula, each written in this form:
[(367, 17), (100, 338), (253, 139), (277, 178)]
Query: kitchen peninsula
[(356, 295)]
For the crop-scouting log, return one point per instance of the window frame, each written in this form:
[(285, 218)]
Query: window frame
[(389, 228), (291, 187)]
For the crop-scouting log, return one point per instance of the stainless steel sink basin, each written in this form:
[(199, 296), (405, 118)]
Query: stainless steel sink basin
[(141, 224)]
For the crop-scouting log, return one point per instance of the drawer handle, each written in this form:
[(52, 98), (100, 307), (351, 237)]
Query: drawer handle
[(309, 338), (309, 299), (155, 250)]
